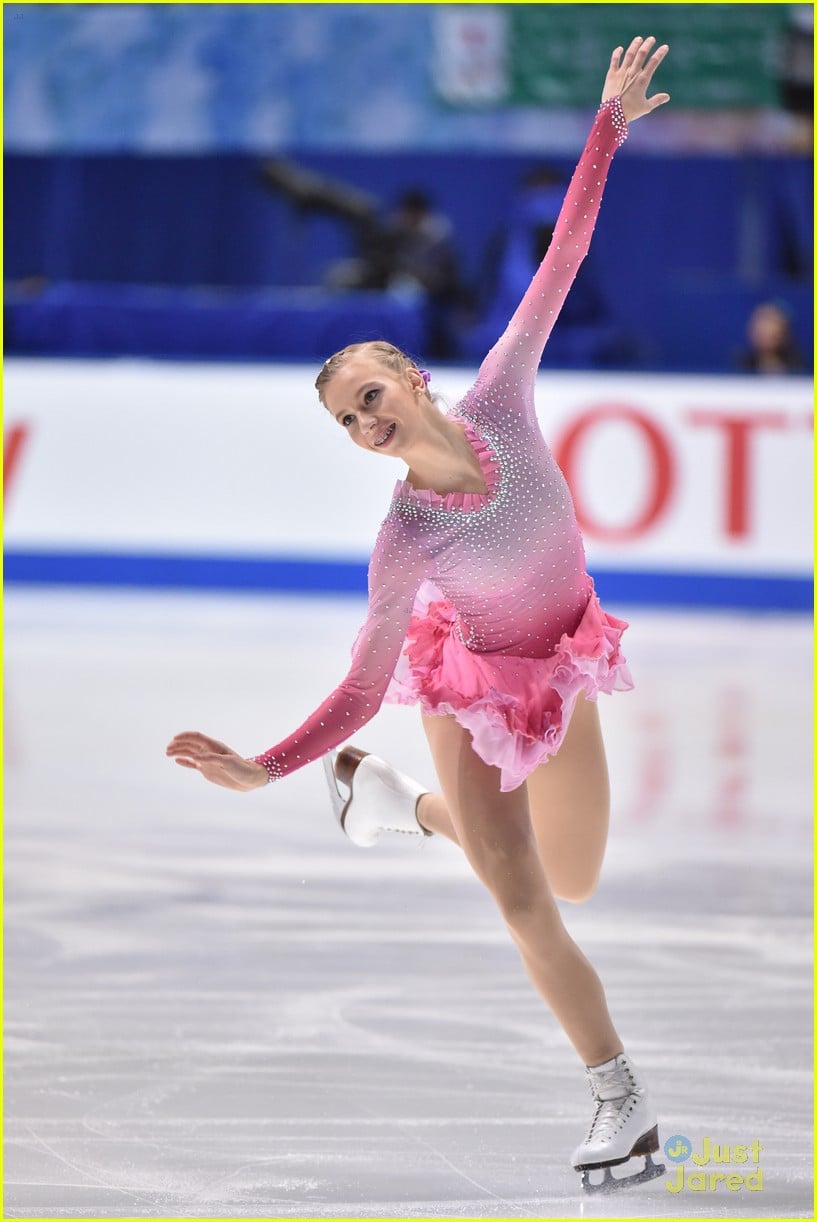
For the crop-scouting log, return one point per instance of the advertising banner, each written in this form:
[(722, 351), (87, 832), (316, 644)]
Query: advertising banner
[(689, 479)]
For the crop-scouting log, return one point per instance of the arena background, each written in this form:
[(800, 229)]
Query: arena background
[(206, 994)]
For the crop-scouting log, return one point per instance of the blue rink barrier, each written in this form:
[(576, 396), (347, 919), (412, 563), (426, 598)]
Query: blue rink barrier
[(105, 320), (207, 219), (325, 576)]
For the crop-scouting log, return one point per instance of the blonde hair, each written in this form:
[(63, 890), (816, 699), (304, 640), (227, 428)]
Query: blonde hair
[(387, 354)]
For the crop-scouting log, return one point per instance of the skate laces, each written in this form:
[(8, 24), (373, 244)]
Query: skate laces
[(610, 1084), (612, 1089), (607, 1119)]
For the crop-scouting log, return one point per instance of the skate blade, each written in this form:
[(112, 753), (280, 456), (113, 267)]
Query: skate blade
[(612, 1183)]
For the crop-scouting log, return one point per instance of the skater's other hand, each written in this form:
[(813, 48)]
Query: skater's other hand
[(629, 76), (216, 761)]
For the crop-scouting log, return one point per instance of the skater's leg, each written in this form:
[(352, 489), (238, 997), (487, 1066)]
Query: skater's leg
[(495, 832), (570, 807), (434, 816), (569, 799)]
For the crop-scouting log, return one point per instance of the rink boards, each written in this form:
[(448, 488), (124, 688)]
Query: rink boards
[(690, 490)]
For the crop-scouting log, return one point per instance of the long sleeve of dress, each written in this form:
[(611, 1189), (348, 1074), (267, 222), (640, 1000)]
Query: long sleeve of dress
[(395, 573), (514, 359)]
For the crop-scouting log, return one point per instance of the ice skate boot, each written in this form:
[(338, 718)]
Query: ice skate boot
[(379, 799), (624, 1125)]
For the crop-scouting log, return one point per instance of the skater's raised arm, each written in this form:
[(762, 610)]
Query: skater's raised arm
[(395, 574), (514, 359)]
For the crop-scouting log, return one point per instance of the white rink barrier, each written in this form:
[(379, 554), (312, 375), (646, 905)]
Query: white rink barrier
[(693, 490)]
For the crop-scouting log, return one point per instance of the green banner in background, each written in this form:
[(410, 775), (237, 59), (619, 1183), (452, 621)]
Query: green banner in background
[(721, 55)]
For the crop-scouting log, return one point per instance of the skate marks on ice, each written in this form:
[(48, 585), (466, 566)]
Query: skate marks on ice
[(310, 1099), (303, 1096), (223, 1010)]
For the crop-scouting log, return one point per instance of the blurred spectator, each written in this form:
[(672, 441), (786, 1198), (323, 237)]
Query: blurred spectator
[(530, 232), (585, 335), (410, 249), (422, 248), (772, 348)]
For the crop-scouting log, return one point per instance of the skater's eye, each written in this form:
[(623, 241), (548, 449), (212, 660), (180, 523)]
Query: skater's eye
[(346, 420), (369, 397)]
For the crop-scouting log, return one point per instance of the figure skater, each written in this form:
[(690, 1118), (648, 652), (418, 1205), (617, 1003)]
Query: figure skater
[(482, 612)]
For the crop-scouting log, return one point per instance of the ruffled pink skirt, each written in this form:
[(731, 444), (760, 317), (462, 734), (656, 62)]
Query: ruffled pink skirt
[(516, 709)]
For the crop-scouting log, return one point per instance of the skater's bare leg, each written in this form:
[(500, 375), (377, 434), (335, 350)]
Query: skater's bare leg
[(432, 814), (495, 832), (569, 800)]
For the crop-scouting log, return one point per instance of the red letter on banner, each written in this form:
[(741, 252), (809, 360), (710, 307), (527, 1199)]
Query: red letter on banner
[(13, 442), (661, 466), (737, 432)]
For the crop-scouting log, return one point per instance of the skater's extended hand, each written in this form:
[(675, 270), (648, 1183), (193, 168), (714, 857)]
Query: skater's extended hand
[(629, 75), (216, 762)]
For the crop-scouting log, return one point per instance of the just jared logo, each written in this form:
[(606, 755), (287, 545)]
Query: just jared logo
[(678, 1149)]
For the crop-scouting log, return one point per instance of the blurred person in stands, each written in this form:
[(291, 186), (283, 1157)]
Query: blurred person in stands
[(772, 347), (416, 251), (481, 611), (587, 334), (407, 250)]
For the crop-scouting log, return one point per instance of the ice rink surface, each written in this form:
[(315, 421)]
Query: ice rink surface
[(218, 1007)]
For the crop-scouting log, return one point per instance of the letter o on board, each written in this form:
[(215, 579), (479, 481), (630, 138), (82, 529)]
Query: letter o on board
[(661, 468)]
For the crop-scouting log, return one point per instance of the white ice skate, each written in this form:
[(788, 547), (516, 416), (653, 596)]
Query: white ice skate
[(379, 799), (624, 1126)]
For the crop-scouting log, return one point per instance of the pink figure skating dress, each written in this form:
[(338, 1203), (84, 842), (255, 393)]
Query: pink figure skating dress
[(480, 605)]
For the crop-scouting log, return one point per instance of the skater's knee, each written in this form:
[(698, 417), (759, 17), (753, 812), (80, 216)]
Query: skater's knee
[(576, 890), (511, 871), (518, 904), (522, 895)]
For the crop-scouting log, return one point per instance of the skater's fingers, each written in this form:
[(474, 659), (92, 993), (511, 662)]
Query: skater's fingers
[(191, 736), (187, 763), (658, 100), (188, 738), (630, 53), (649, 68), (643, 51), (196, 741), (185, 747)]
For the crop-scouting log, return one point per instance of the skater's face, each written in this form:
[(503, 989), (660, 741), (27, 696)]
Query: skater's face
[(380, 409)]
